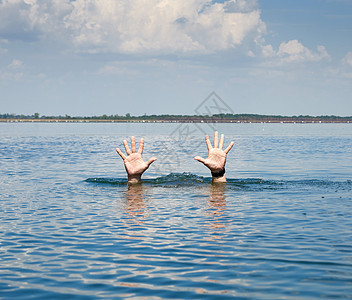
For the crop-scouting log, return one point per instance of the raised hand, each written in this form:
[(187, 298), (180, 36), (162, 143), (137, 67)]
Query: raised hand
[(216, 159), (134, 164)]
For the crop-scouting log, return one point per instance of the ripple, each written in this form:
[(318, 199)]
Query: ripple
[(280, 228)]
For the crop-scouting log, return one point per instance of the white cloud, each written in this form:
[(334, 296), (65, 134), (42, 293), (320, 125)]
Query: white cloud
[(135, 26), (118, 68), (2, 49), (13, 71), (345, 68), (268, 51), (15, 64), (293, 52), (347, 60)]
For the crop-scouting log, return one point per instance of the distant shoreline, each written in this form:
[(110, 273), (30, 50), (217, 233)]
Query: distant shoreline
[(183, 120)]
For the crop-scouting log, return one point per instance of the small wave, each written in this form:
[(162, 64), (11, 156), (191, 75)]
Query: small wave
[(189, 179), (323, 184), (111, 181), (255, 184), (185, 178), (173, 179)]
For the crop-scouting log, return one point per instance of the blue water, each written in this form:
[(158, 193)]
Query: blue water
[(70, 226)]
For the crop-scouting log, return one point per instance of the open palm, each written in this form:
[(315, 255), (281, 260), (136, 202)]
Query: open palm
[(216, 159), (134, 164)]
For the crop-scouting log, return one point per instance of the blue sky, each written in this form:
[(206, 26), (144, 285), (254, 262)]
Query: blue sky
[(97, 57)]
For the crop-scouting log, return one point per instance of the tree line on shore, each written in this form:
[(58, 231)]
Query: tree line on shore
[(184, 118)]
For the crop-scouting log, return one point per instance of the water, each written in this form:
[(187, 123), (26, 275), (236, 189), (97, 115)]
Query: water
[(70, 226)]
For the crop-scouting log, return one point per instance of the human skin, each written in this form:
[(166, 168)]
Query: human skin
[(134, 164), (216, 159)]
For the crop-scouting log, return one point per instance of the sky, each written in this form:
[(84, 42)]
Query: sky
[(95, 57)]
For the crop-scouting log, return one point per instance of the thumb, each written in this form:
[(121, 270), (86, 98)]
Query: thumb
[(151, 160), (201, 159)]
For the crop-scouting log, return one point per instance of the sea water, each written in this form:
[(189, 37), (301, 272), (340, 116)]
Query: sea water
[(70, 226)]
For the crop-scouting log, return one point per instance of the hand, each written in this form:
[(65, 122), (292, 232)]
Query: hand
[(216, 157), (134, 164)]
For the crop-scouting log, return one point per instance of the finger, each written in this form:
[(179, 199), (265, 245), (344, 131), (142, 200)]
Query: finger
[(229, 147), (141, 146), (207, 140), (128, 151), (201, 159), (221, 144), (123, 156), (151, 160), (216, 139), (133, 144)]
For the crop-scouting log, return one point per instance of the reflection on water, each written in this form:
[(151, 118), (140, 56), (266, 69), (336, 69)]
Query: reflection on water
[(135, 212), (135, 205), (217, 199), (216, 210)]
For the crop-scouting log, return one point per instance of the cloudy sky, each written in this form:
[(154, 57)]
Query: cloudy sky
[(93, 57)]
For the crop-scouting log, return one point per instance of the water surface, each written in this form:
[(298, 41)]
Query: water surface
[(70, 226)]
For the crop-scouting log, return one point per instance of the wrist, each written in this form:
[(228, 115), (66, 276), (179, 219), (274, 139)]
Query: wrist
[(134, 178), (219, 179), (218, 173), (218, 176)]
